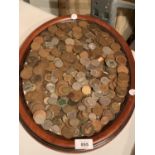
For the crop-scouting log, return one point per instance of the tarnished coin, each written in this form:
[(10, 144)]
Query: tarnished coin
[(63, 101), (70, 41), (76, 86), (122, 69), (47, 124), (52, 29), (38, 39), (115, 47), (97, 110), (91, 46), (121, 59), (96, 72), (55, 41), (95, 62), (39, 116), (74, 122), (83, 24), (28, 86), (86, 90), (35, 46), (56, 129), (107, 51), (47, 77), (104, 120), (105, 80), (58, 62), (80, 76), (104, 101), (81, 107), (87, 129), (85, 61), (89, 102), (111, 63), (50, 87), (67, 132), (75, 95), (92, 116), (115, 107), (26, 73), (84, 54), (97, 125), (55, 109)]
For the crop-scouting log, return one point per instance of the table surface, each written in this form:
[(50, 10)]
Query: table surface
[(29, 19)]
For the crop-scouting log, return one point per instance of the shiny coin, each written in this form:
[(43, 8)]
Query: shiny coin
[(86, 90), (39, 116)]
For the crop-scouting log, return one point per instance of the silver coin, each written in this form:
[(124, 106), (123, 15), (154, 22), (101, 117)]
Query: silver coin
[(56, 129), (55, 41), (107, 51), (69, 41), (95, 62), (28, 87), (48, 44), (91, 46), (90, 102), (76, 85), (58, 62), (50, 87), (104, 100), (80, 76), (105, 80), (92, 116), (111, 63)]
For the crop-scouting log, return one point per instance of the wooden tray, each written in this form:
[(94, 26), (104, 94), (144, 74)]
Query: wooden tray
[(108, 132)]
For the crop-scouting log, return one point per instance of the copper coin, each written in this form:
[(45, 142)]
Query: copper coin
[(115, 47), (121, 59), (35, 46), (38, 39), (26, 73), (122, 69), (39, 116)]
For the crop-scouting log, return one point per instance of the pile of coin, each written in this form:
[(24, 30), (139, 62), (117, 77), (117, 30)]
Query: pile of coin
[(75, 78)]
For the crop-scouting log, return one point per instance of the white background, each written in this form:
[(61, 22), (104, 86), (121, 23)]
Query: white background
[(145, 77)]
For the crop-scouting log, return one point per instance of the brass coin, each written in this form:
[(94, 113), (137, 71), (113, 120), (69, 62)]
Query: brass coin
[(86, 90), (115, 107)]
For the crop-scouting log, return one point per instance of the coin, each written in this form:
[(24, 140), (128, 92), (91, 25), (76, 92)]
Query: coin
[(26, 73), (47, 124), (84, 54), (81, 107), (104, 100), (47, 77), (63, 101), (69, 41), (107, 51), (95, 62), (76, 86), (75, 95), (92, 116), (87, 129), (97, 125), (111, 63), (97, 110), (38, 39), (74, 122), (104, 120), (35, 46), (86, 90), (105, 80), (52, 29), (96, 72), (85, 61), (58, 62), (39, 116), (121, 59), (67, 132), (55, 109), (69, 48), (80, 76), (50, 87), (56, 129), (115, 46), (28, 86), (122, 69), (91, 46), (83, 24), (89, 102), (115, 107), (54, 41)]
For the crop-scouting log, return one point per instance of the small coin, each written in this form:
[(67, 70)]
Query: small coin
[(67, 132), (47, 124), (85, 61), (35, 46), (80, 76), (89, 102), (105, 80), (104, 100), (97, 110), (83, 24), (76, 86), (121, 59), (104, 120), (115, 107), (87, 129), (38, 39), (48, 44), (56, 129), (97, 125), (55, 109), (26, 73), (47, 77), (63, 101), (52, 29), (55, 41), (74, 122), (39, 116), (115, 47), (84, 54), (28, 86), (107, 51), (54, 79), (122, 69), (50, 87), (95, 62), (75, 95), (111, 63), (91, 46), (96, 72), (86, 90), (81, 107), (69, 41), (92, 116), (58, 62)]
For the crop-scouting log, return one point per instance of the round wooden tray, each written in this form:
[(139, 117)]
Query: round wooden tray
[(108, 132)]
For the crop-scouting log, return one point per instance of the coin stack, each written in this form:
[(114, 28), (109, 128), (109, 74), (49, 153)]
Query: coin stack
[(74, 79)]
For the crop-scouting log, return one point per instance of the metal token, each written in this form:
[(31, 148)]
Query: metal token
[(50, 87), (76, 86), (39, 116)]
